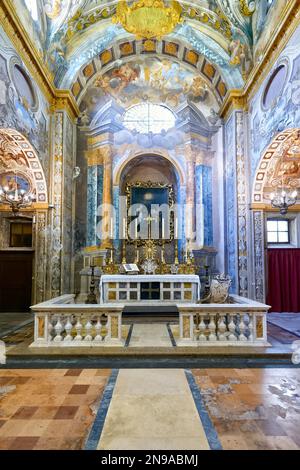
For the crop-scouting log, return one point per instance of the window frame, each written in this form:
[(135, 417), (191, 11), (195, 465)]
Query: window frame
[(149, 121), (279, 219), (22, 235)]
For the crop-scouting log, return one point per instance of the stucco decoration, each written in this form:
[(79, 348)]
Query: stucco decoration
[(18, 156), (279, 166)]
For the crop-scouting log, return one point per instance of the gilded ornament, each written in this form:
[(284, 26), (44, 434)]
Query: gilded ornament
[(148, 19), (247, 8), (149, 45), (55, 11)]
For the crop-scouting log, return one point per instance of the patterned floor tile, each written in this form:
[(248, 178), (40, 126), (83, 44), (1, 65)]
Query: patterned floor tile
[(48, 409), (255, 409)]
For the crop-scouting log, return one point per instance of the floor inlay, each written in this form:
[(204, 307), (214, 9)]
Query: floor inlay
[(152, 409)]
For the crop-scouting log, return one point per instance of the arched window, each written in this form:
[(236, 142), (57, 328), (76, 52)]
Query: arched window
[(148, 117), (33, 8)]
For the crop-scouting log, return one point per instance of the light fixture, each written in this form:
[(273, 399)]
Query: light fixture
[(283, 200), (148, 19), (17, 199)]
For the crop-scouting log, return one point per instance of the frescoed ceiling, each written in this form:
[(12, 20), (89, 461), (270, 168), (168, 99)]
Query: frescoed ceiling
[(73, 32), (159, 81)]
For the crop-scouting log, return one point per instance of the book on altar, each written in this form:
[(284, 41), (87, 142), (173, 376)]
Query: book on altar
[(130, 268)]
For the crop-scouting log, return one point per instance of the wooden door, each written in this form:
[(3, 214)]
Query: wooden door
[(15, 281)]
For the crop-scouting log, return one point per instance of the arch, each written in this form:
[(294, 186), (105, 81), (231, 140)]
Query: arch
[(175, 50), (267, 170), (17, 154), (119, 168)]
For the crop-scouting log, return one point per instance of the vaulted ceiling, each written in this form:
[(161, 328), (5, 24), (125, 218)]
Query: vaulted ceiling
[(71, 33)]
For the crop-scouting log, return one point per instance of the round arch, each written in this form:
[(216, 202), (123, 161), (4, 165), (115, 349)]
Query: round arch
[(16, 153), (118, 170), (268, 165)]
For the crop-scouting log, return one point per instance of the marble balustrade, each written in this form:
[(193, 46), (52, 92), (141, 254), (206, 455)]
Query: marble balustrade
[(62, 323), (240, 323)]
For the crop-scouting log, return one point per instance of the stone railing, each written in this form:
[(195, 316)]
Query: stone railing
[(240, 323), (62, 323)]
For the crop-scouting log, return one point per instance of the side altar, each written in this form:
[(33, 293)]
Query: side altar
[(155, 288)]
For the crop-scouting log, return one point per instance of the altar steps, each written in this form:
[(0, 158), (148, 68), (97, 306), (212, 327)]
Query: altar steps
[(150, 313)]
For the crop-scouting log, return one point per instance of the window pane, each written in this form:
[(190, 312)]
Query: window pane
[(283, 237), (272, 237), (272, 225), (148, 117), (283, 226)]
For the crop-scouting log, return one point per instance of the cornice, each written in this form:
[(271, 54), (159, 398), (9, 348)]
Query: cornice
[(261, 206), (288, 25), (236, 99), (239, 99), (57, 99)]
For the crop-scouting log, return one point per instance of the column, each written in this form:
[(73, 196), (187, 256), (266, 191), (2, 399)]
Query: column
[(190, 191), (107, 190), (204, 214), (56, 198), (236, 198)]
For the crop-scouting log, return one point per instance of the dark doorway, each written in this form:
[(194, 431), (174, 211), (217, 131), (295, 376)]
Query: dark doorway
[(15, 280)]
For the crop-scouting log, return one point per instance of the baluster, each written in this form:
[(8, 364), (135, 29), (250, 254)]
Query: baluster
[(58, 330), (88, 329), (196, 327), (202, 328), (104, 329), (250, 328), (51, 331), (222, 329), (242, 328), (212, 328), (98, 327), (68, 328), (78, 328), (231, 328)]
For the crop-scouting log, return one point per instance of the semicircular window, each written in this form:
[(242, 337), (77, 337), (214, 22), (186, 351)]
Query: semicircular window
[(24, 86), (148, 117), (275, 86)]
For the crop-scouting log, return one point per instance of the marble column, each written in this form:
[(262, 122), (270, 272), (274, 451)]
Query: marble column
[(61, 196), (190, 192), (236, 207), (204, 215), (107, 191), (258, 257)]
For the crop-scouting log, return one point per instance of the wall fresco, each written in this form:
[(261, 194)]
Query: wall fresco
[(15, 113), (285, 110)]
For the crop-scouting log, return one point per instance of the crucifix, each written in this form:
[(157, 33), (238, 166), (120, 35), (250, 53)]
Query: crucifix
[(149, 219)]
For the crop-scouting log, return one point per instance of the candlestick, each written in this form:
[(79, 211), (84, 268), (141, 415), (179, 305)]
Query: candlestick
[(176, 229), (163, 252), (124, 228), (111, 229)]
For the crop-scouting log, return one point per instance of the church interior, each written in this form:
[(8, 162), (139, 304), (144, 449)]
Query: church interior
[(149, 225)]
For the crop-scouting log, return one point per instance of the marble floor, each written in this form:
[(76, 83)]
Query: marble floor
[(150, 335), (150, 409)]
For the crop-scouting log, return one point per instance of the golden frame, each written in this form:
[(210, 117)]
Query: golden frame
[(171, 202)]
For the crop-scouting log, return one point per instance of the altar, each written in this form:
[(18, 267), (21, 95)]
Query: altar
[(154, 288)]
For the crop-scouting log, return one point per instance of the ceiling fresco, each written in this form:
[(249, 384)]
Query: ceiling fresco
[(152, 79), (226, 32)]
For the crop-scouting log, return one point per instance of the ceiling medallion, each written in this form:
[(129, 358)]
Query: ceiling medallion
[(148, 19)]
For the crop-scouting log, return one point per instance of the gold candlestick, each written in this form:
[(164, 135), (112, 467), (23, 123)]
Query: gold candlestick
[(163, 252), (137, 253), (176, 252), (124, 252)]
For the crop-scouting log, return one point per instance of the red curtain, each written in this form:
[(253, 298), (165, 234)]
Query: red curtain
[(284, 280)]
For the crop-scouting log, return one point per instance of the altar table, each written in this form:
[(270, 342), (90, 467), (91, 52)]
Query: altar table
[(158, 288)]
